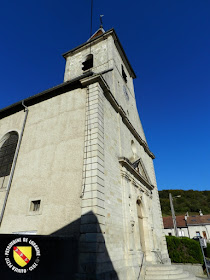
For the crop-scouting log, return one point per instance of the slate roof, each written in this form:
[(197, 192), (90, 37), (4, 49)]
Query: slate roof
[(198, 220), (180, 222)]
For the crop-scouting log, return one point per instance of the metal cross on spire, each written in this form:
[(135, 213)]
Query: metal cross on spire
[(101, 26)]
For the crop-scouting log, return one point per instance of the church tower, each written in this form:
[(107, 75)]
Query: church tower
[(80, 166), (121, 222)]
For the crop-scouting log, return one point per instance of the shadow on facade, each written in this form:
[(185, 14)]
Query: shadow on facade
[(76, 251), (93, 260)]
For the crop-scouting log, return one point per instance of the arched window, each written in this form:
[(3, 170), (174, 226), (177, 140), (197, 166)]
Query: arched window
[(8, 146)]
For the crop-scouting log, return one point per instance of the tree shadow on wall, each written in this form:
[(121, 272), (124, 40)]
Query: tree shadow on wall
[(90, 258)]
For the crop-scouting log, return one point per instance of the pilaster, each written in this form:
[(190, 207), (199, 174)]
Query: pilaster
[(92, 244)]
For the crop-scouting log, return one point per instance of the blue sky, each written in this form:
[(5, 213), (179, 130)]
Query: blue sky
[(168, 45)]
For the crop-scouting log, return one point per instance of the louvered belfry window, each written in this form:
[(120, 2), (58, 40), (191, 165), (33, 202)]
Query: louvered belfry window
[(7, 152)]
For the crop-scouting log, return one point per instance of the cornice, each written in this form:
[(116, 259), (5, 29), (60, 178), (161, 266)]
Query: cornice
[(109, 96), (126, 163)]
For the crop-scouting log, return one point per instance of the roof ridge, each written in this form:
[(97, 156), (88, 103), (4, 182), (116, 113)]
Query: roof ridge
[(100, 31)]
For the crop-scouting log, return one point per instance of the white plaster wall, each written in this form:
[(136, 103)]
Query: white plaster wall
[(184, 230), (169, 230), (193, 229), (49, 165)]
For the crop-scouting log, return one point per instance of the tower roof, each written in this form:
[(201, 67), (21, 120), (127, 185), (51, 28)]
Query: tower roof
[(99, 32)]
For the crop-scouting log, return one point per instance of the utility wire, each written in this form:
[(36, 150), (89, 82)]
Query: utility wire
[(91, 19)]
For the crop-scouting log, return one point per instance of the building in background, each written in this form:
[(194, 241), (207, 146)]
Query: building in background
[(181, 226), (199, 226), (189, 226)]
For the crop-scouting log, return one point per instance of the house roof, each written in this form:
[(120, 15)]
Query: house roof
[(191, 220), (180, 222), (198, 220)]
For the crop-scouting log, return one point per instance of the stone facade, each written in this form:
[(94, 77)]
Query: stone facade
[(84, 156)]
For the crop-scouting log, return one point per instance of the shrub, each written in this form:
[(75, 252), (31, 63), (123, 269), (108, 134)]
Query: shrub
[(184, 250)]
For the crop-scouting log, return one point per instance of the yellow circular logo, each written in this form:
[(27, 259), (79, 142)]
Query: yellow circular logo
[(22, 255)]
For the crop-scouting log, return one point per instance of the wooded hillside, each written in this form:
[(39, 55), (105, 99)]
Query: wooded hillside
[(190, 201)]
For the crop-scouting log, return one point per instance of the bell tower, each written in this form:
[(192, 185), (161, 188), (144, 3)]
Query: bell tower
[(118, 166), (103, 55)]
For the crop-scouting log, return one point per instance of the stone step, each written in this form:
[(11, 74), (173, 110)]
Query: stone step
[(162, 272), (162, 267), (179, 276), (185, 278)]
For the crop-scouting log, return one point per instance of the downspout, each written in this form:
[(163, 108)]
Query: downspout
[(14, 163)]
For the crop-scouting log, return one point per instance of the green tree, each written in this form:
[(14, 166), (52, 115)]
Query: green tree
[(190, 201)]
